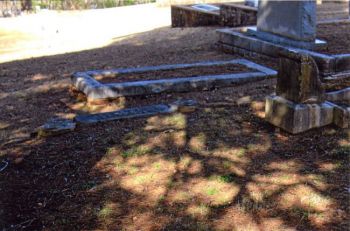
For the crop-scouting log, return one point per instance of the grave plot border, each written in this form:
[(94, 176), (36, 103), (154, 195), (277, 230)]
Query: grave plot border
[(95, 90), (238, 42)]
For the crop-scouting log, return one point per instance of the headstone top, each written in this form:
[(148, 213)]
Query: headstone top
[(291, 19)]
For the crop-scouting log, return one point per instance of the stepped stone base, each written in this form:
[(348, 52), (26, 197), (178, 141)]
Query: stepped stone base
[(341, 116), (297, 118)]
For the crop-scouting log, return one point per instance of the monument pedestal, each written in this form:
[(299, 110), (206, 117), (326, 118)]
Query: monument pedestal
[(276, 39), (295, 117)]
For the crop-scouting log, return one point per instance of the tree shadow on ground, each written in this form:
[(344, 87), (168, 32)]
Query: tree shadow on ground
[(219, 168)]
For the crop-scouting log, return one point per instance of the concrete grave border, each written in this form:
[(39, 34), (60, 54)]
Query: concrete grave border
[(239, 42), (94, 90)]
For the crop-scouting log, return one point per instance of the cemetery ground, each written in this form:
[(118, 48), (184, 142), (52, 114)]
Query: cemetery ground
[(221, 167)]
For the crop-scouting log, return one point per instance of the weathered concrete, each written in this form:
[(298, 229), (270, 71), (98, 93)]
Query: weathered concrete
[(137, 112), (235, 15), (276, 39), (296, 118), (239, 42), (55, 126), (341, 116), (341, 96), (188, 16), (298, 79), (290, 19), (94, 90), (225, 14)]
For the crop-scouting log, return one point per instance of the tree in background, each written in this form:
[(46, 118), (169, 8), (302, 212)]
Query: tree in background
[(26, 5)]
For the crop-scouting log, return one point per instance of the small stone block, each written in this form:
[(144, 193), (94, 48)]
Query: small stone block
[(340, 96), (341, 116), (184, 106), (56, 126), (145, 111), (296, 118)]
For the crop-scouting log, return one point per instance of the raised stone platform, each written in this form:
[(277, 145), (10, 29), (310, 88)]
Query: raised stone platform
[(296, 118), (94, 90), (238, 41), (223, 14), (252, 31)]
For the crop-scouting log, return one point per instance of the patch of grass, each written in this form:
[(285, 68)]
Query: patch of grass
[(132, 170), (157, 166), (226, 164), (299, 212), (143, 179), (241, 152), (178, 120), (132, 138), (105, 212), (227, 178), (199, 210), (211, 191), (135, 151), (161, 198), (111, 151)]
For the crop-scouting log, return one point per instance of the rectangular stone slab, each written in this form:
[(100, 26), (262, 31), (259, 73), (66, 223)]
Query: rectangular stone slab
[(94, 90), (124, 114), (296, 118), (292, 19)]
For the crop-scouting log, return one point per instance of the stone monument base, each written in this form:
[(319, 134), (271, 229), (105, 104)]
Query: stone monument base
[(296, 118), (276, 39), (341, 116)]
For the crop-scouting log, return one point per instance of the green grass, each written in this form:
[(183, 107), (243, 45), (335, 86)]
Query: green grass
[(211, 191), (135, 151)]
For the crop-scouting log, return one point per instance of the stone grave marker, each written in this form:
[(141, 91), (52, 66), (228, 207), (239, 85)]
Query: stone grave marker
[(291, 23)]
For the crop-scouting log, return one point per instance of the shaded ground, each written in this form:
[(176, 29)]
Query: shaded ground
[(338, 42), (220, 168)]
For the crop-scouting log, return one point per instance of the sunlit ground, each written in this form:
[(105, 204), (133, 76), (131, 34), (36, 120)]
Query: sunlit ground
[(219, 168), (52, 32)]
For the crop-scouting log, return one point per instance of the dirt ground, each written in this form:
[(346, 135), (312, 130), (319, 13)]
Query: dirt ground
[(219, 168)]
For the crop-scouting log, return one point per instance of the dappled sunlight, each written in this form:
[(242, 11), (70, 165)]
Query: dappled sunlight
[(278, 178), (239, 220), (304, 197), (198, 211), (234, 154), (259, 191), (175, 121), (286, 166), (211, 191), (197, 143), (145, 175), (220, 167)]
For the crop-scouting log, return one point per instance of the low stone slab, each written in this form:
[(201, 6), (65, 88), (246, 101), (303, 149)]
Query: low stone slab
[(194, 16), (341, 96), (296, 118), (284, 40), (56, 126), (94, 90), (239, 41), (342, 116), (136, 112)]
